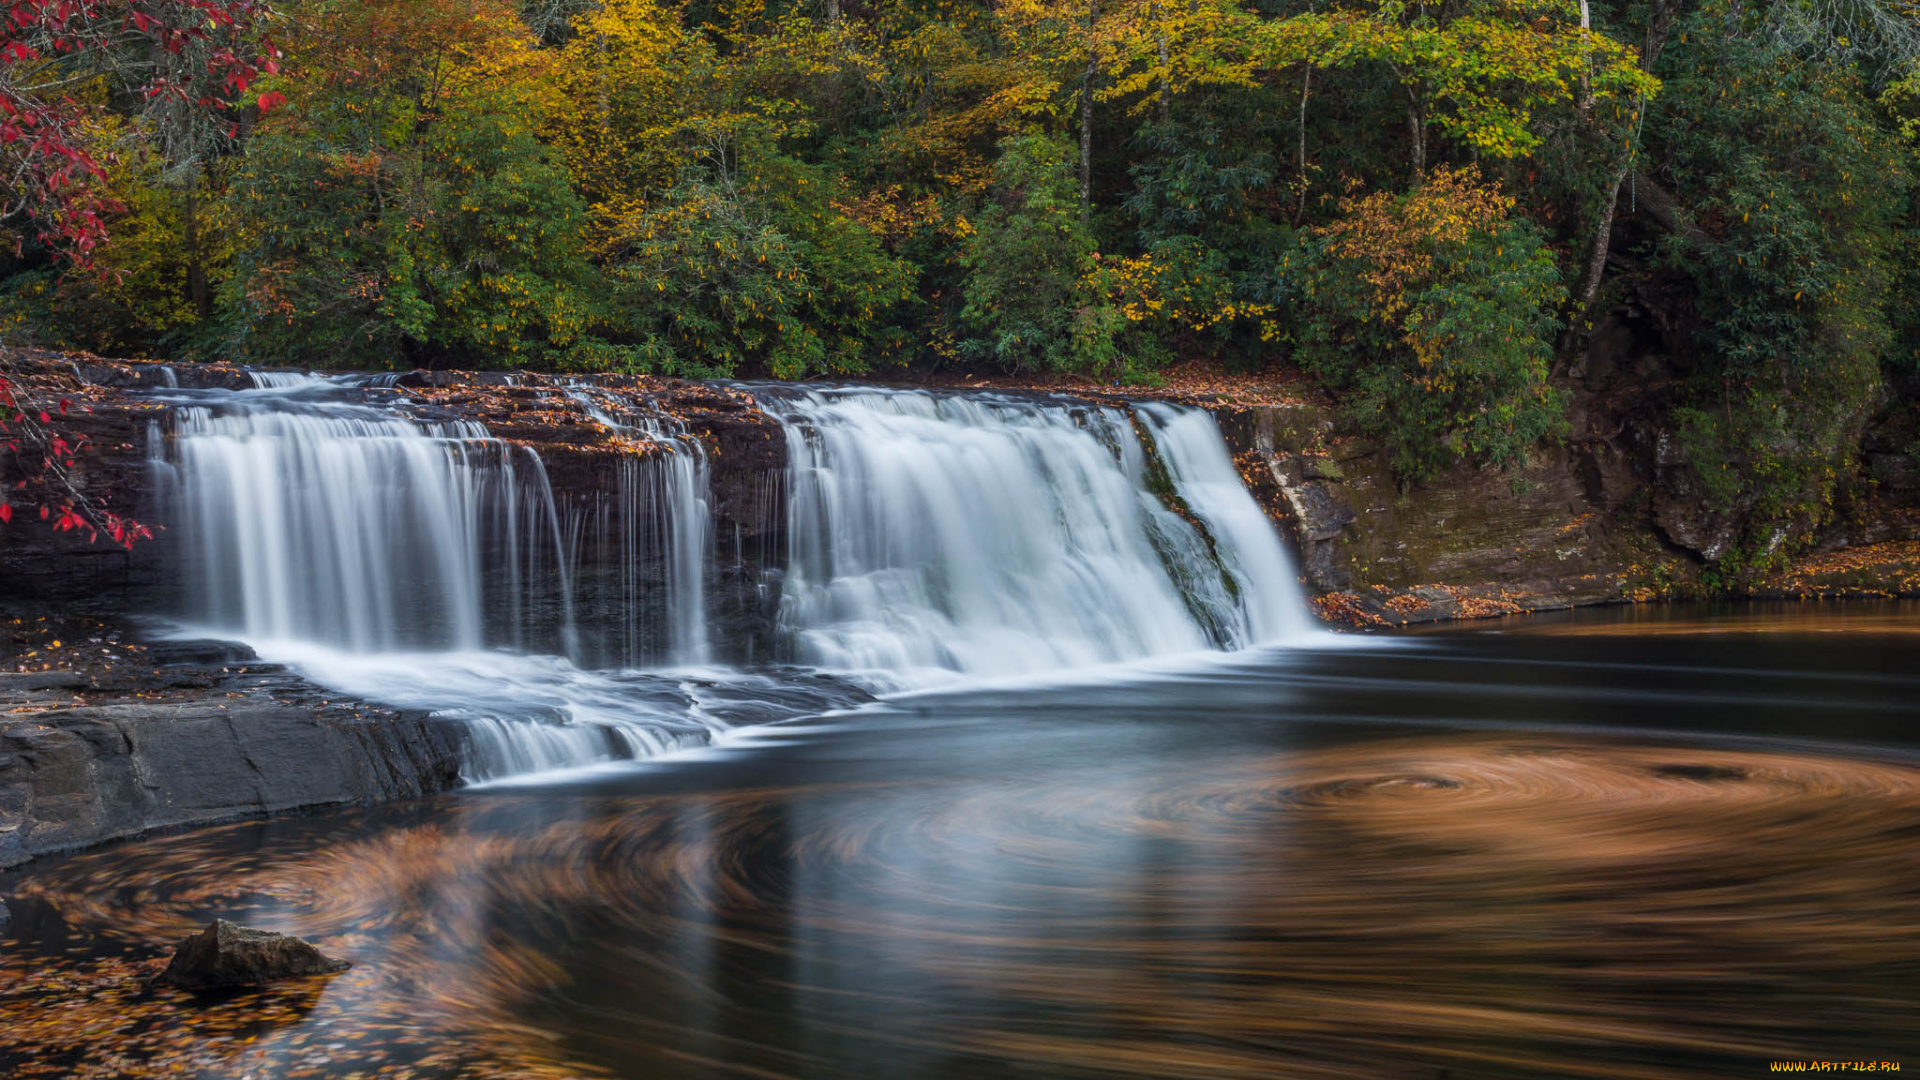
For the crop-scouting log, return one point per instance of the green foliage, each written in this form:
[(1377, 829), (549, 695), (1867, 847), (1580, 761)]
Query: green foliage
[(1211, 256), (1480, 71), (1794, 208), (731, 267), (1026, 309), (461, 241), (1431, 314)]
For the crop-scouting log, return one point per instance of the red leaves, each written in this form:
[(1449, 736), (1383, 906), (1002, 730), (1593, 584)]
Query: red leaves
[(271, 101), (43, 454), (42, 136), (125, 531)]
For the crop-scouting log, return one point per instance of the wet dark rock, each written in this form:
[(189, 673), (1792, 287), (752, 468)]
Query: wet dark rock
[(151, 376), (1898, 471), (200, 652), (1685, 514), (5, 915), (228, 954), (187, 745)]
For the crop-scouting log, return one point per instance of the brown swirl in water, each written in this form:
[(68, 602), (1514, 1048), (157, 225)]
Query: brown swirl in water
[(1505, 906)]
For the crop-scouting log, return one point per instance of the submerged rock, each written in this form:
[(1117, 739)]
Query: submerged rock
[(228, 954)]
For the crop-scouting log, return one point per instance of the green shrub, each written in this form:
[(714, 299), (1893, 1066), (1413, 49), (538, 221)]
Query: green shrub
[(1431, 316)]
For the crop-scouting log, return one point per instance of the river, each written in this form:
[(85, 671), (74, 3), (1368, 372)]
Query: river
[(1655, 843)]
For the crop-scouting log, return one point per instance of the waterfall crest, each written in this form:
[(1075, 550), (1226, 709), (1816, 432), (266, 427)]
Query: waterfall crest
[(340, 524)]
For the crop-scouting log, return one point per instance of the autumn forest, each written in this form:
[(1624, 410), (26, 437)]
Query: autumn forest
[(1426, 210)]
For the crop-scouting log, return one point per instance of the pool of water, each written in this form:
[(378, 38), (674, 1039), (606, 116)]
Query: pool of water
[(1677, 842)]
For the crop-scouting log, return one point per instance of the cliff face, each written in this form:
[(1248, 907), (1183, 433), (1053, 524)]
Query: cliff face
[(1610, 516), (1473, 543), (745, 456)]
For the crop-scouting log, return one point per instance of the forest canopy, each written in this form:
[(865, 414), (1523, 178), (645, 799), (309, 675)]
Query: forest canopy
[(1426, 208)]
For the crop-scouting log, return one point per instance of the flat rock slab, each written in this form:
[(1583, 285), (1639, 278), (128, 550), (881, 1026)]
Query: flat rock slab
[(228, 954), (117, 748)]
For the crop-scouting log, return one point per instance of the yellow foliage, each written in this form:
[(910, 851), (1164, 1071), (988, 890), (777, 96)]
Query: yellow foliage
[(1394, 237)]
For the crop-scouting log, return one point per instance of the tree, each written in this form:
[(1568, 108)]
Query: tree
[(1431, 315), (1024, 306), (401, 207), (1477, 72), (747, 261), (1786, 201), (42, 451), (189, 63)]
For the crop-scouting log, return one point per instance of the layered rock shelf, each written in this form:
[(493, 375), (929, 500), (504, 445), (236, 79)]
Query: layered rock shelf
[(119, 739)]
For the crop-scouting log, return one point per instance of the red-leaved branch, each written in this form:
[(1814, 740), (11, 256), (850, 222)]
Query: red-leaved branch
[(182, 59), (43, 451)]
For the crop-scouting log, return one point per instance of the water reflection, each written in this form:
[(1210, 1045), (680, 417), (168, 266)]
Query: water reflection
[(1467, 856)]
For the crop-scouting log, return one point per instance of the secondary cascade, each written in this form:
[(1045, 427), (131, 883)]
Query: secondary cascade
[(939, 536)]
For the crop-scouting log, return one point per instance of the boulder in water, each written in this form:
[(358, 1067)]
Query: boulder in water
[(228, 954)]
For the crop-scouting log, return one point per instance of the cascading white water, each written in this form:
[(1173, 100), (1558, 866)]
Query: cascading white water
[(342, 525), (935, 537), (932, 538), (1195, 455), (385, 555), (660, 507)]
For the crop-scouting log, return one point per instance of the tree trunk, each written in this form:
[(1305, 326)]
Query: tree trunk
[(1086, 120), (1306, 88), (1166, 69), (1585, 103), (1417, 136), (197, 290), (1603, 233), (1659, 22)]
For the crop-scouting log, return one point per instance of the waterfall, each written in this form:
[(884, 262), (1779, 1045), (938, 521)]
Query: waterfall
[(936, 536), (320, 521), (340, 526), (1248, 547), (660, 507)]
